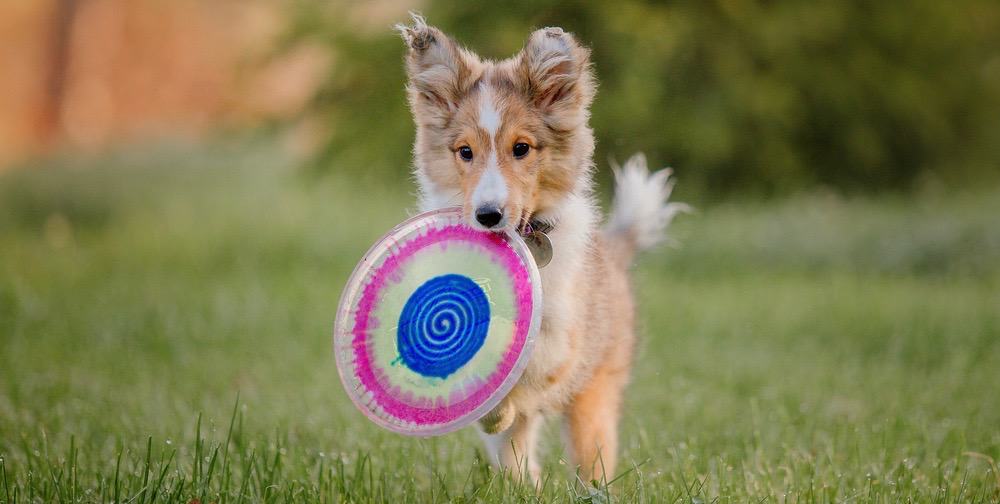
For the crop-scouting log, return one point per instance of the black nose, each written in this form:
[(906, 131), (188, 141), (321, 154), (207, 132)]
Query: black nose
[(488, 216)]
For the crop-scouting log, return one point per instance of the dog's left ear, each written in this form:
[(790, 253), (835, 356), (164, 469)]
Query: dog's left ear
[(439, 70), (556, 76)]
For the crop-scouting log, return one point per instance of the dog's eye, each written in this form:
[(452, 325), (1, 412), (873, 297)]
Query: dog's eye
[(521, 149), (465, 152)]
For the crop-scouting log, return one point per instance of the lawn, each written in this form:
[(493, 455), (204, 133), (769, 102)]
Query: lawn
[(165, 324)]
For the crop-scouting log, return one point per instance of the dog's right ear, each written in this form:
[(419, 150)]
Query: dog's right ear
[(556, 76), (439, 71)]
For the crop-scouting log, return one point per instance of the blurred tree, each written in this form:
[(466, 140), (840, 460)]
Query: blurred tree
[(64, 13), (762, 96)]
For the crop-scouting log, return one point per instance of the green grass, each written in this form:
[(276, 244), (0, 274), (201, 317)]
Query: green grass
[(165, 326)]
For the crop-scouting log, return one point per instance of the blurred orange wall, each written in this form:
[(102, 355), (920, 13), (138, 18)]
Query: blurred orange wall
[(84, 74)]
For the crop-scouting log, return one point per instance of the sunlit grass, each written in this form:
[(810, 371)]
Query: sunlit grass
[(165, 333)]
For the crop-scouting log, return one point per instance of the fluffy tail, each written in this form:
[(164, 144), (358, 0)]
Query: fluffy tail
[(640, 213)]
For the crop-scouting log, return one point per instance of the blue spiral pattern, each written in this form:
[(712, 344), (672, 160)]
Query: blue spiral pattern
[(443, 325)]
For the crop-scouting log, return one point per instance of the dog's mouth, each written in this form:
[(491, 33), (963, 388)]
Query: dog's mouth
[(502, 227), (526, 224), (532, 229), (520, 225)]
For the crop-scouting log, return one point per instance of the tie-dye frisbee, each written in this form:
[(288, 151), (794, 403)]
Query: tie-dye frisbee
[(436, 324)]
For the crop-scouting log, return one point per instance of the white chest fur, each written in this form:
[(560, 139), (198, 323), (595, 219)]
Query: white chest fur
[(560, 283)]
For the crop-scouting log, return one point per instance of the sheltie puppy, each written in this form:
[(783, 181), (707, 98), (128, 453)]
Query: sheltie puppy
[(509, 142)]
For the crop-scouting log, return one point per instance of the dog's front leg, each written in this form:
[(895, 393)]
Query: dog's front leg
[(499, 419), (512, 450)]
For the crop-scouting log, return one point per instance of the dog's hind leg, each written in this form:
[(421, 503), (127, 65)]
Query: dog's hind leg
[(514, 449), (592, 424)]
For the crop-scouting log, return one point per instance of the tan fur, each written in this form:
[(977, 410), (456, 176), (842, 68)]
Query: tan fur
[(541, 96)]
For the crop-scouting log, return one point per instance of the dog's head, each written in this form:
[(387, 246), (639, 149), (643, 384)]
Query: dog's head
[(505, 140)]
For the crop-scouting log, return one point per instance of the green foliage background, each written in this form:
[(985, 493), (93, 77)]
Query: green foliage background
[(737, 96)]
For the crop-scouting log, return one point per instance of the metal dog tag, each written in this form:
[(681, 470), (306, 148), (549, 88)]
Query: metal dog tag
[(540, 247)]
